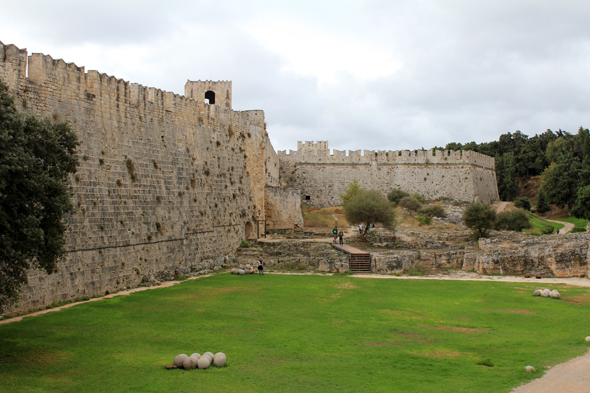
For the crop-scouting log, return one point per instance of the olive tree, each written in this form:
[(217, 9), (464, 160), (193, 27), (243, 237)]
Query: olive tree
[(36, 158), (370, 207)]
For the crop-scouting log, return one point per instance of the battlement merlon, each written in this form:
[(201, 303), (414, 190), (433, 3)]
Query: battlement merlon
[(310, 153), (314, 146)]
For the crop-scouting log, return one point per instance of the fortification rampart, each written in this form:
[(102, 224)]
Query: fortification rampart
[(165, 182), (321, 176)]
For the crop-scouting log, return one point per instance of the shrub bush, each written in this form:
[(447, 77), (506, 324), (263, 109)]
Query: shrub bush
[(396, 195), (410, 203), (515, 220), (419, 197), (433, 211), (480, 218), (578, 230), (424, 220), (523, 203)]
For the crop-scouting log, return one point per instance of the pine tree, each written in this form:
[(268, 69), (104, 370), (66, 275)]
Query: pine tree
[(542, 205)]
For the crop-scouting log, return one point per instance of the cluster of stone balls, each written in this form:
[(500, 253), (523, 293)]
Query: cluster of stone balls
[(197, 361), (247, 270), (547, 293)]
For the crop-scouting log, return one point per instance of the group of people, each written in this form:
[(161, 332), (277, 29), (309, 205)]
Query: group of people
[(338, 235)]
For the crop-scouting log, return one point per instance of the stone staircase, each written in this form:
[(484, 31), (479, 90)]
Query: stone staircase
[(359, 262)]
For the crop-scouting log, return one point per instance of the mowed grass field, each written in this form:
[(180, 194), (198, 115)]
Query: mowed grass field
[(286, 333)]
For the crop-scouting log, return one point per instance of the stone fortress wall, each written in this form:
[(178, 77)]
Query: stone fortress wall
[(458, 175), (165, 182)]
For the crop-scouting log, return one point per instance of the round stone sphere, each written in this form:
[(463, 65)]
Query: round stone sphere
[(190, 363), (219, 353), (219, 360), (588, 339), (530, 369), (545, 293), (537, 292), (204, 362), (555, 294), (241, 271), (179, 359), (210, 354), (197, 355), (234, 271)]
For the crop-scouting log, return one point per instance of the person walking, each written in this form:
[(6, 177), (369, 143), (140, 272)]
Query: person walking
[(335, 233), (341, 236), (260, 267), (361, 228)]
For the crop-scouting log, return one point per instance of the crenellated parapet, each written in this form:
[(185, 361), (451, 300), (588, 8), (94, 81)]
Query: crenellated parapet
[(310, 152)]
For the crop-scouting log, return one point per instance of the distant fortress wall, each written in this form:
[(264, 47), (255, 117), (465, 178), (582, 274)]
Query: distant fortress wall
[(458, 175)]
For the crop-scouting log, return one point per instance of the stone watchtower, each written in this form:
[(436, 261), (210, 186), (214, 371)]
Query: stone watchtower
[(211, 92)]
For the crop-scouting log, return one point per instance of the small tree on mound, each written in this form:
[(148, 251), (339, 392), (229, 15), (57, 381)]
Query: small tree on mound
[(410, 203), (370, 207), (480, 218), (523, 203), (433, 211), (515, 220), (396, 195)]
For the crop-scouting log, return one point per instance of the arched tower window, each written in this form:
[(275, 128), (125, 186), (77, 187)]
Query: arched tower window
[(210, 96)]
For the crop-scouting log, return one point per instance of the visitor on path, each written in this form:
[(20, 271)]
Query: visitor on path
[(341, 236), (558, 231), (260, 267), (360, 228), (335, 233)]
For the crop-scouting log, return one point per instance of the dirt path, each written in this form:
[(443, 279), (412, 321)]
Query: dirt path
[(569, 377), (567, 226)]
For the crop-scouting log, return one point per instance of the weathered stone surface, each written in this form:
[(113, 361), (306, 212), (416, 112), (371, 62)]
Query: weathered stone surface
[(204, 362), (555, 294), (545, 293), (537, 292), (588, 339), (197, 355), (241, 271), (530, 369), (179, 360), (210, 354)]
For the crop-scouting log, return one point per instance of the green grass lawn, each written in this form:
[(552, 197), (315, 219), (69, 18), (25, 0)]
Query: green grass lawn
[(538, 222), (579, 222), (300, 334)]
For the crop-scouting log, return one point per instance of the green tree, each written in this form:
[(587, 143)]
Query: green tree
[(523, 203), (515, 220), (542, 205), (351, 190), (582, 208), (36, 158), (396, 195), (370, 207), (560, 179), (480, 218)]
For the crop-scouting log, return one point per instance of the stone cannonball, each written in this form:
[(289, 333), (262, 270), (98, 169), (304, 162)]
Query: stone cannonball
[(588, 339), (190, 363), (179, 359), (197, 355), (241, 271), (234, 271), (545, 293), (210, 354), (204, 362), (555, 294), (537, 292), (530, 369), (219, 353), (219, 360)]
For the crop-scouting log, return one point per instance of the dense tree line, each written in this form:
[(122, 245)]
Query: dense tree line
[(561, 158)]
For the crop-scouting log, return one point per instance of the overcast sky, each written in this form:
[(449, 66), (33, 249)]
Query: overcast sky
[(360, 74)]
